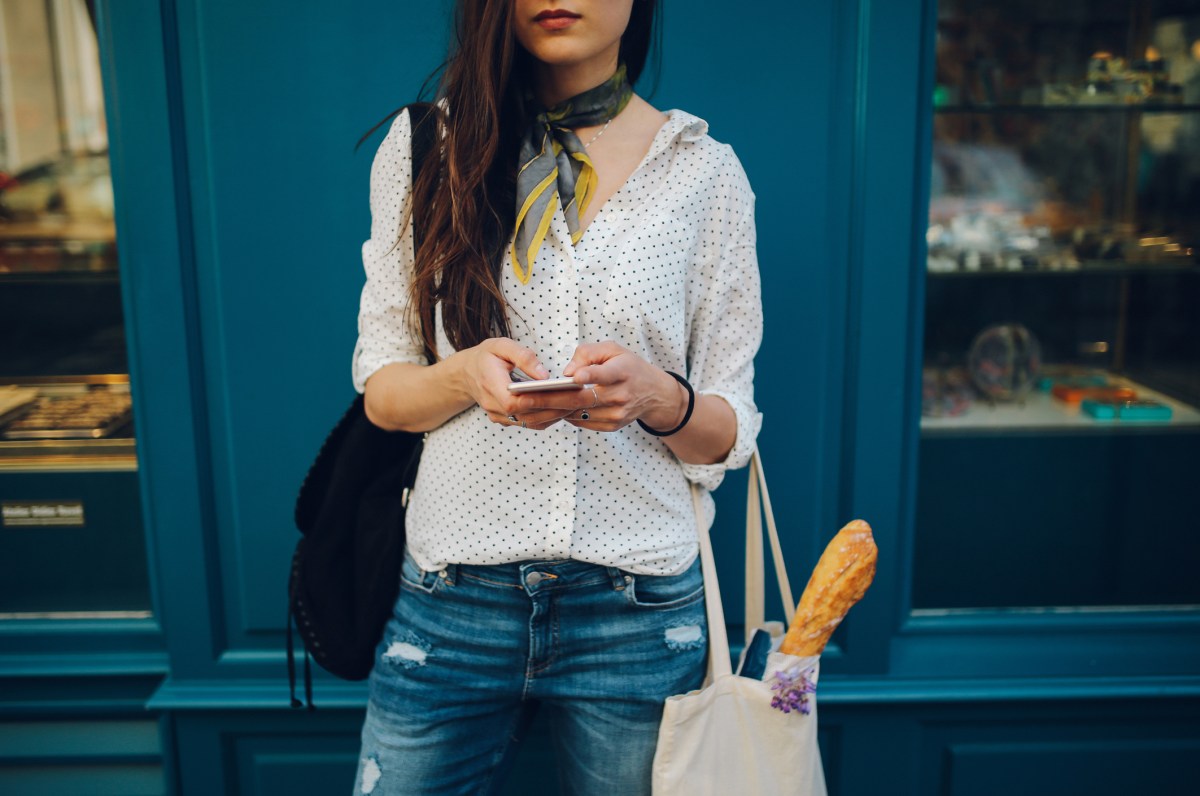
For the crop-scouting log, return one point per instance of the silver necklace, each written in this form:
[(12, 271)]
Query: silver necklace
[(597, 135)]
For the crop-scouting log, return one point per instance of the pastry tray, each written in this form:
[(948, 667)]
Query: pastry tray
[(15, 401), (92, 415)]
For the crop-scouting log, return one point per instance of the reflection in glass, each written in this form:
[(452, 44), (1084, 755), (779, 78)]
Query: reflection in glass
[(1062, 336), (70, 539)]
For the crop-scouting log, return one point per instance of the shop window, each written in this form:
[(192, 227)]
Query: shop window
[(71, 541), (1060, 436)]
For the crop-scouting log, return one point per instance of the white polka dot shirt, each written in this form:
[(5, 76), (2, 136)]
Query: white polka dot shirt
[(667, 269)]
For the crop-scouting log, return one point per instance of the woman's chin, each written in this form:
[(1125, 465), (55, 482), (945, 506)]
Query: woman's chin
[(577, 58)]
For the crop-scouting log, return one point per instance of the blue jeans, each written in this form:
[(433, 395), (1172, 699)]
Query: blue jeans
[(470, 650)]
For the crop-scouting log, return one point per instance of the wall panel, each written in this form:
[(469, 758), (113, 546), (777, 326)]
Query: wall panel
[(277, 210), (242, 207)]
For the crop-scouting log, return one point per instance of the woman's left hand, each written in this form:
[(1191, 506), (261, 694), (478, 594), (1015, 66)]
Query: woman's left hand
[(623, 388)]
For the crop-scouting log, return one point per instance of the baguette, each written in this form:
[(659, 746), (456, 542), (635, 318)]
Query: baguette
[(839, 580)]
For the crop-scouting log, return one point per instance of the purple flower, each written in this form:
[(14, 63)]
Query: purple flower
[(793, 686)]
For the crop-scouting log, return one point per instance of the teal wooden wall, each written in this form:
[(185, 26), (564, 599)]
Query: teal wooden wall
[(241, 210)]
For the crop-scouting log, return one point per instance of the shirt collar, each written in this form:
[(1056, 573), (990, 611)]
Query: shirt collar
[(686, 126), (681, 126)]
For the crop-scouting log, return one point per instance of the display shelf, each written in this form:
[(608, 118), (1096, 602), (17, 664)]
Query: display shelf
[(59, 229), (1101, 268), (1042, 412), (114, 452), (88, 455), (64, 277), (56, 248), (1068, 108)]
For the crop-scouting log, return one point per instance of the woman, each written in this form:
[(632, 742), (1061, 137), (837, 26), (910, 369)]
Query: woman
[(552, 556)]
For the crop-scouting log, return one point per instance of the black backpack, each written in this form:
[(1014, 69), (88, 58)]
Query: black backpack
[(345, 575)]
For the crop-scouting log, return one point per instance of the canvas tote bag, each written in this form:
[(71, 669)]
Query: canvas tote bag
[(726, 738)]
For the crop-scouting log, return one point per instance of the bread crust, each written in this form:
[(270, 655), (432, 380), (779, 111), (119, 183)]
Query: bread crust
[(839, 580)]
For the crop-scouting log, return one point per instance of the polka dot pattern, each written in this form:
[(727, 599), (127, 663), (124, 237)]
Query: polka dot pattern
[(668, 268)]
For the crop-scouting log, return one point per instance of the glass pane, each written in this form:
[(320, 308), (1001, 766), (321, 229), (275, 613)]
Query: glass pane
[(71, 539), (1060, 431)]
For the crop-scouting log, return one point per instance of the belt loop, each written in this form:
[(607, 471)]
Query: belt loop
[(618, 578), (451, 574)]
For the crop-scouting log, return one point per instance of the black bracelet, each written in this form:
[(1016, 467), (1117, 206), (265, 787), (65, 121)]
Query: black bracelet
[(686, 415)]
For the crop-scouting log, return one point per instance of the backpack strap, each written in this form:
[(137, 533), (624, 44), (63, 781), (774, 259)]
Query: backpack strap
[(423, 119), (423, 124), (424, 128)]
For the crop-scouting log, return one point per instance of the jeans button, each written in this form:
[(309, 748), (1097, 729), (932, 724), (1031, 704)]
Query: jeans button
[(533, 579)]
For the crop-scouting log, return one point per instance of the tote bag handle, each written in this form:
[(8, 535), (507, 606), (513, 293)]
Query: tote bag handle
[(719, 658), (755, 583)]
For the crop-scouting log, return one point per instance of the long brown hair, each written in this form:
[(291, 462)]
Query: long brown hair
[(466, 205)]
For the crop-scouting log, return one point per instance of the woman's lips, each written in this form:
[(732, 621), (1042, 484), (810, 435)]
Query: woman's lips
[(556, 19)]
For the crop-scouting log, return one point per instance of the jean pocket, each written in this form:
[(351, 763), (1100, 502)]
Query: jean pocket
[(668, 591), (416, 579)]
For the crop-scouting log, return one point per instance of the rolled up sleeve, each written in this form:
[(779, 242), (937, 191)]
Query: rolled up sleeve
[(384, 336), (726, 328)]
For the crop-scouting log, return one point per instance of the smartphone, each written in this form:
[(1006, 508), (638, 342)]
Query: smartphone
[(544, 385)]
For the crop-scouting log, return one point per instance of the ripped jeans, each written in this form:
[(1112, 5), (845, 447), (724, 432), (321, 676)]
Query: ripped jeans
[(471, 650)]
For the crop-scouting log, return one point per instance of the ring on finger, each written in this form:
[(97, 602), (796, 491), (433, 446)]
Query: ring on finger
[(595, 399), (584, 415), (513, 419), (524, 424)]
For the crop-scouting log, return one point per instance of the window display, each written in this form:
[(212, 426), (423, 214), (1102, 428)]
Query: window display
[(1061, 389), (71, 538)]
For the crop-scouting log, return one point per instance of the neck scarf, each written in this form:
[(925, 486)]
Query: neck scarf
[(554, 164)]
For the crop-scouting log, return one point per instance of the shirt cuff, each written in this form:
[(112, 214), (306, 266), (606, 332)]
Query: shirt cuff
[(749, 421), (367, 362)]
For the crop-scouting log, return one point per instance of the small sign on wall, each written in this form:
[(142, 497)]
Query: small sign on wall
[(43, 513)]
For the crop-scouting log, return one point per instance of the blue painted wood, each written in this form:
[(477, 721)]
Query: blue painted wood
[(288, 130), (996, 648), (285, 765), (265, 695), (888, 197), (81, 756), (162, 178), (1113, 505), (156, 275), (897, 749), (60, 740), (121, 649), (247, 752), (207, 319), (1099, 748), (1060, 767), (56, 569), (233, 128), (792, 154), (886, 319), (56, 693), (115, 779), (276, 268)]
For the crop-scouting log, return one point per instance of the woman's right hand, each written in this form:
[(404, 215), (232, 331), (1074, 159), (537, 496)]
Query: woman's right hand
[(405, 396), (486, 375)]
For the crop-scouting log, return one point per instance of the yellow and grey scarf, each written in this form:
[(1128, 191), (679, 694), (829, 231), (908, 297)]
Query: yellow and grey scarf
[(555, 164)]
